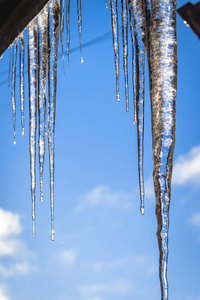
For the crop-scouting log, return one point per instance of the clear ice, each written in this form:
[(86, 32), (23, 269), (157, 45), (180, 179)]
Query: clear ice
[(68, 27), (32, 76), (115, 30), (54, 15), (42, 86), (13, 85), (164, 84), (80, 26), (21, 68), (153, 29), (139, 35), (124, 6)]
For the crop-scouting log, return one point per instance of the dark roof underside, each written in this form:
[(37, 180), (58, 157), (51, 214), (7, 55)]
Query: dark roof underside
[(191, 14), (15, 15)]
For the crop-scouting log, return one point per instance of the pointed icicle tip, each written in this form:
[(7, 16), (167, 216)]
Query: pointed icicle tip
[(142, 211), (52, 235)]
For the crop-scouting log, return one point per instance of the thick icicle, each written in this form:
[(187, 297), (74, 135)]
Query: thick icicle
[(80, 26), (42, 74), (164, 84), (54, 14), (68, 27), (21, 68), (13, 79), (139, 26), (131, 22), (115, 30), (124, 6), (32, 75)]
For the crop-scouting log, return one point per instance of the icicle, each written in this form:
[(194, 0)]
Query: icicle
[(21, 67), (68, 27), (164, 84), (139, 26), (14, 62), (10, 66), (54, 14), (131, 22), (125, 47), (32, 75), (42, 74), (106, 4), (114, 20), (147, 13), (62, 6), (80, 26)]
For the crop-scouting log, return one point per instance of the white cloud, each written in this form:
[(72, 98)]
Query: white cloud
[(104, 196), (187, 168), (9, 224), (67, 258), (12, 248), (18, 268), (3, 294), (195, 220), (90, 291)]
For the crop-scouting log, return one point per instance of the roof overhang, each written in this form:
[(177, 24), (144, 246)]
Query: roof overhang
[(191, 14), (15, 15)]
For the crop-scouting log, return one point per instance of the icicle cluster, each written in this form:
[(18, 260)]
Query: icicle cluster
[(153, 29), (43, 37)]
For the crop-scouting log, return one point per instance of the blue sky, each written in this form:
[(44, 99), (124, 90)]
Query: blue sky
[(103, 248)]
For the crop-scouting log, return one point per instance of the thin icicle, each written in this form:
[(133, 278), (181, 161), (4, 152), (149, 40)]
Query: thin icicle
[(10, 66), (68, 27), (114, 21), (62, 10), (106, 4), (80, 26), (147, 13), (131, 22), (42, 74), (54, 14), (139, 26), (32, 76), (13, 79), (125, 47), (164, 85), (21, 67)]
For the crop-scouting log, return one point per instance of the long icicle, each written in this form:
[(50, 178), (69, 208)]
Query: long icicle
[(164, 85), (10, 66), (124, 6), (68, 27), (80, 26), (42, 74), (21, 66), (14, 62), (32, 76), (115, 30), (139, 26), (131, 22), (62, 17), (54, 14)]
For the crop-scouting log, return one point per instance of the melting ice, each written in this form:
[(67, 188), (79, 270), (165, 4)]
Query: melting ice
[(153, 30)]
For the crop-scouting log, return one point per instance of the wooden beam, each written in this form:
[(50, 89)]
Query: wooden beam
[(15, 15)]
